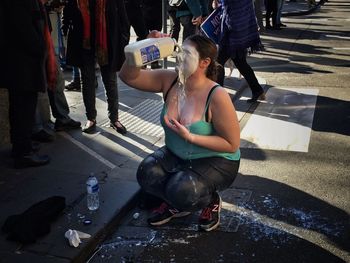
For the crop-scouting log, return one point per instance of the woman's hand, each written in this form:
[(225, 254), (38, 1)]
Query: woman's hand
[(157, 34), (178, 128)]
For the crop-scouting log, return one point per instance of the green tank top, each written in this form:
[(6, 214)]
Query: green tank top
[(187, 151)]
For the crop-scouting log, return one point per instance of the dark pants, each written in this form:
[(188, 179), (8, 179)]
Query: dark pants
[(188, 28), (185, 185), (175, 26), (152, 13), (136, 19), (271, 11), (58, 102), (242, 66), (109, 79), (22, 107)]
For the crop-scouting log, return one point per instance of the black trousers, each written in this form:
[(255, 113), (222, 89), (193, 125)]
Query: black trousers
[(22, 105), (185, 185), (175, 26), (109, 79), (242, 66), (271, 11), (136, 19), (152, 13)]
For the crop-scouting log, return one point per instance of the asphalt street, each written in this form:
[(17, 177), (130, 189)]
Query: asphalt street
[(290, 202)]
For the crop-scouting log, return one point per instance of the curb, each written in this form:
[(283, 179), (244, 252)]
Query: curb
[(89, 249), (306, 12)]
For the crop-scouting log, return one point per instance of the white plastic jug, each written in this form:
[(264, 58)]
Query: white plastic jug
[(148, 50)]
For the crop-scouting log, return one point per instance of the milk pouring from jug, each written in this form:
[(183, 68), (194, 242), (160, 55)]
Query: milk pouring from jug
[(143, 52)]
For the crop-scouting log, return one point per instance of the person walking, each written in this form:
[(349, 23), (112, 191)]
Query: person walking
[(98, 31), (239, 37)]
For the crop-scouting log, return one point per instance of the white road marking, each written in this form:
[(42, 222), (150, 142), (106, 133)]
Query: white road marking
[(341, 48), (337, 36), (283, 122), (88, 150)]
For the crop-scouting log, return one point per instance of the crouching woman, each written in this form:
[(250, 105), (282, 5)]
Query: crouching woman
[(201, 155)]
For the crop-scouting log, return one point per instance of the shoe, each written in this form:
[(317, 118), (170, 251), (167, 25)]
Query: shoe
[(164, 214), (155, 65), (65, 126), (35, 147), (43, 136), (121, 129), (74, 85), (256, 97), (31, 160), (89, 127), (209, 219), (276, 27), (282, 25)]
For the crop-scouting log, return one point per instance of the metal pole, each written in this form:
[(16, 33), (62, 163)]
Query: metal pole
[(165, 28)]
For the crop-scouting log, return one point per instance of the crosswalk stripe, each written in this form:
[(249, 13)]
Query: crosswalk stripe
[(283, 122)]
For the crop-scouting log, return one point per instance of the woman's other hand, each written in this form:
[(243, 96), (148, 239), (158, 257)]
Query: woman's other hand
[(178, 128)]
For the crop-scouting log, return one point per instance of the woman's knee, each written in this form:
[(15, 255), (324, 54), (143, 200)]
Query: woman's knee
[(149, 171), (184, 192)]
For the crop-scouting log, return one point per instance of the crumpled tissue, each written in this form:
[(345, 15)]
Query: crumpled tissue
[(74, 237)]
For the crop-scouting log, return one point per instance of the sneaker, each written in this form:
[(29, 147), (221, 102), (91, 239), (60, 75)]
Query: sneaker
[(209, 219), (74, 85), (164, 214), (65, 126)]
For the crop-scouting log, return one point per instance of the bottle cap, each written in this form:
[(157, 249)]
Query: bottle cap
[(87, 222)]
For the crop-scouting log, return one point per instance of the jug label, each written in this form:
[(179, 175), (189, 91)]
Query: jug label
[(149, 54)]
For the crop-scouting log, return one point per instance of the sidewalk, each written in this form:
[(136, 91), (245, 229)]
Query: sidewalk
[(111, 157)]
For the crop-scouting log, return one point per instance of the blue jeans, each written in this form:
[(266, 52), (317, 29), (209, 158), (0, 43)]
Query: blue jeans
[(58, 104), (280, 4)]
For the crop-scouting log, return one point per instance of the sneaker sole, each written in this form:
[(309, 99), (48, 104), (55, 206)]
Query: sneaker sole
[(159, 223), (207, 229)]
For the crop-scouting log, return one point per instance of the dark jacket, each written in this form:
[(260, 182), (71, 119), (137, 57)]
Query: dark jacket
[(118, 33), (23, 48)]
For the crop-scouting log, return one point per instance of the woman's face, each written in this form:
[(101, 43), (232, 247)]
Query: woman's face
[(188, 61)]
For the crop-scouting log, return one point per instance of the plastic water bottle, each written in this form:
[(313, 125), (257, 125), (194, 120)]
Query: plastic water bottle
[(92, 188), (149, 50)]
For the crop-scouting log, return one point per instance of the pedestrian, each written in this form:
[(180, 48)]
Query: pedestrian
[(239, 37), (258, 14), (97, 33), (175, 25), (280, 4), (152, 13), (271, 14), (201, 155), (28, 55), (136, 19), (191, 14)]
